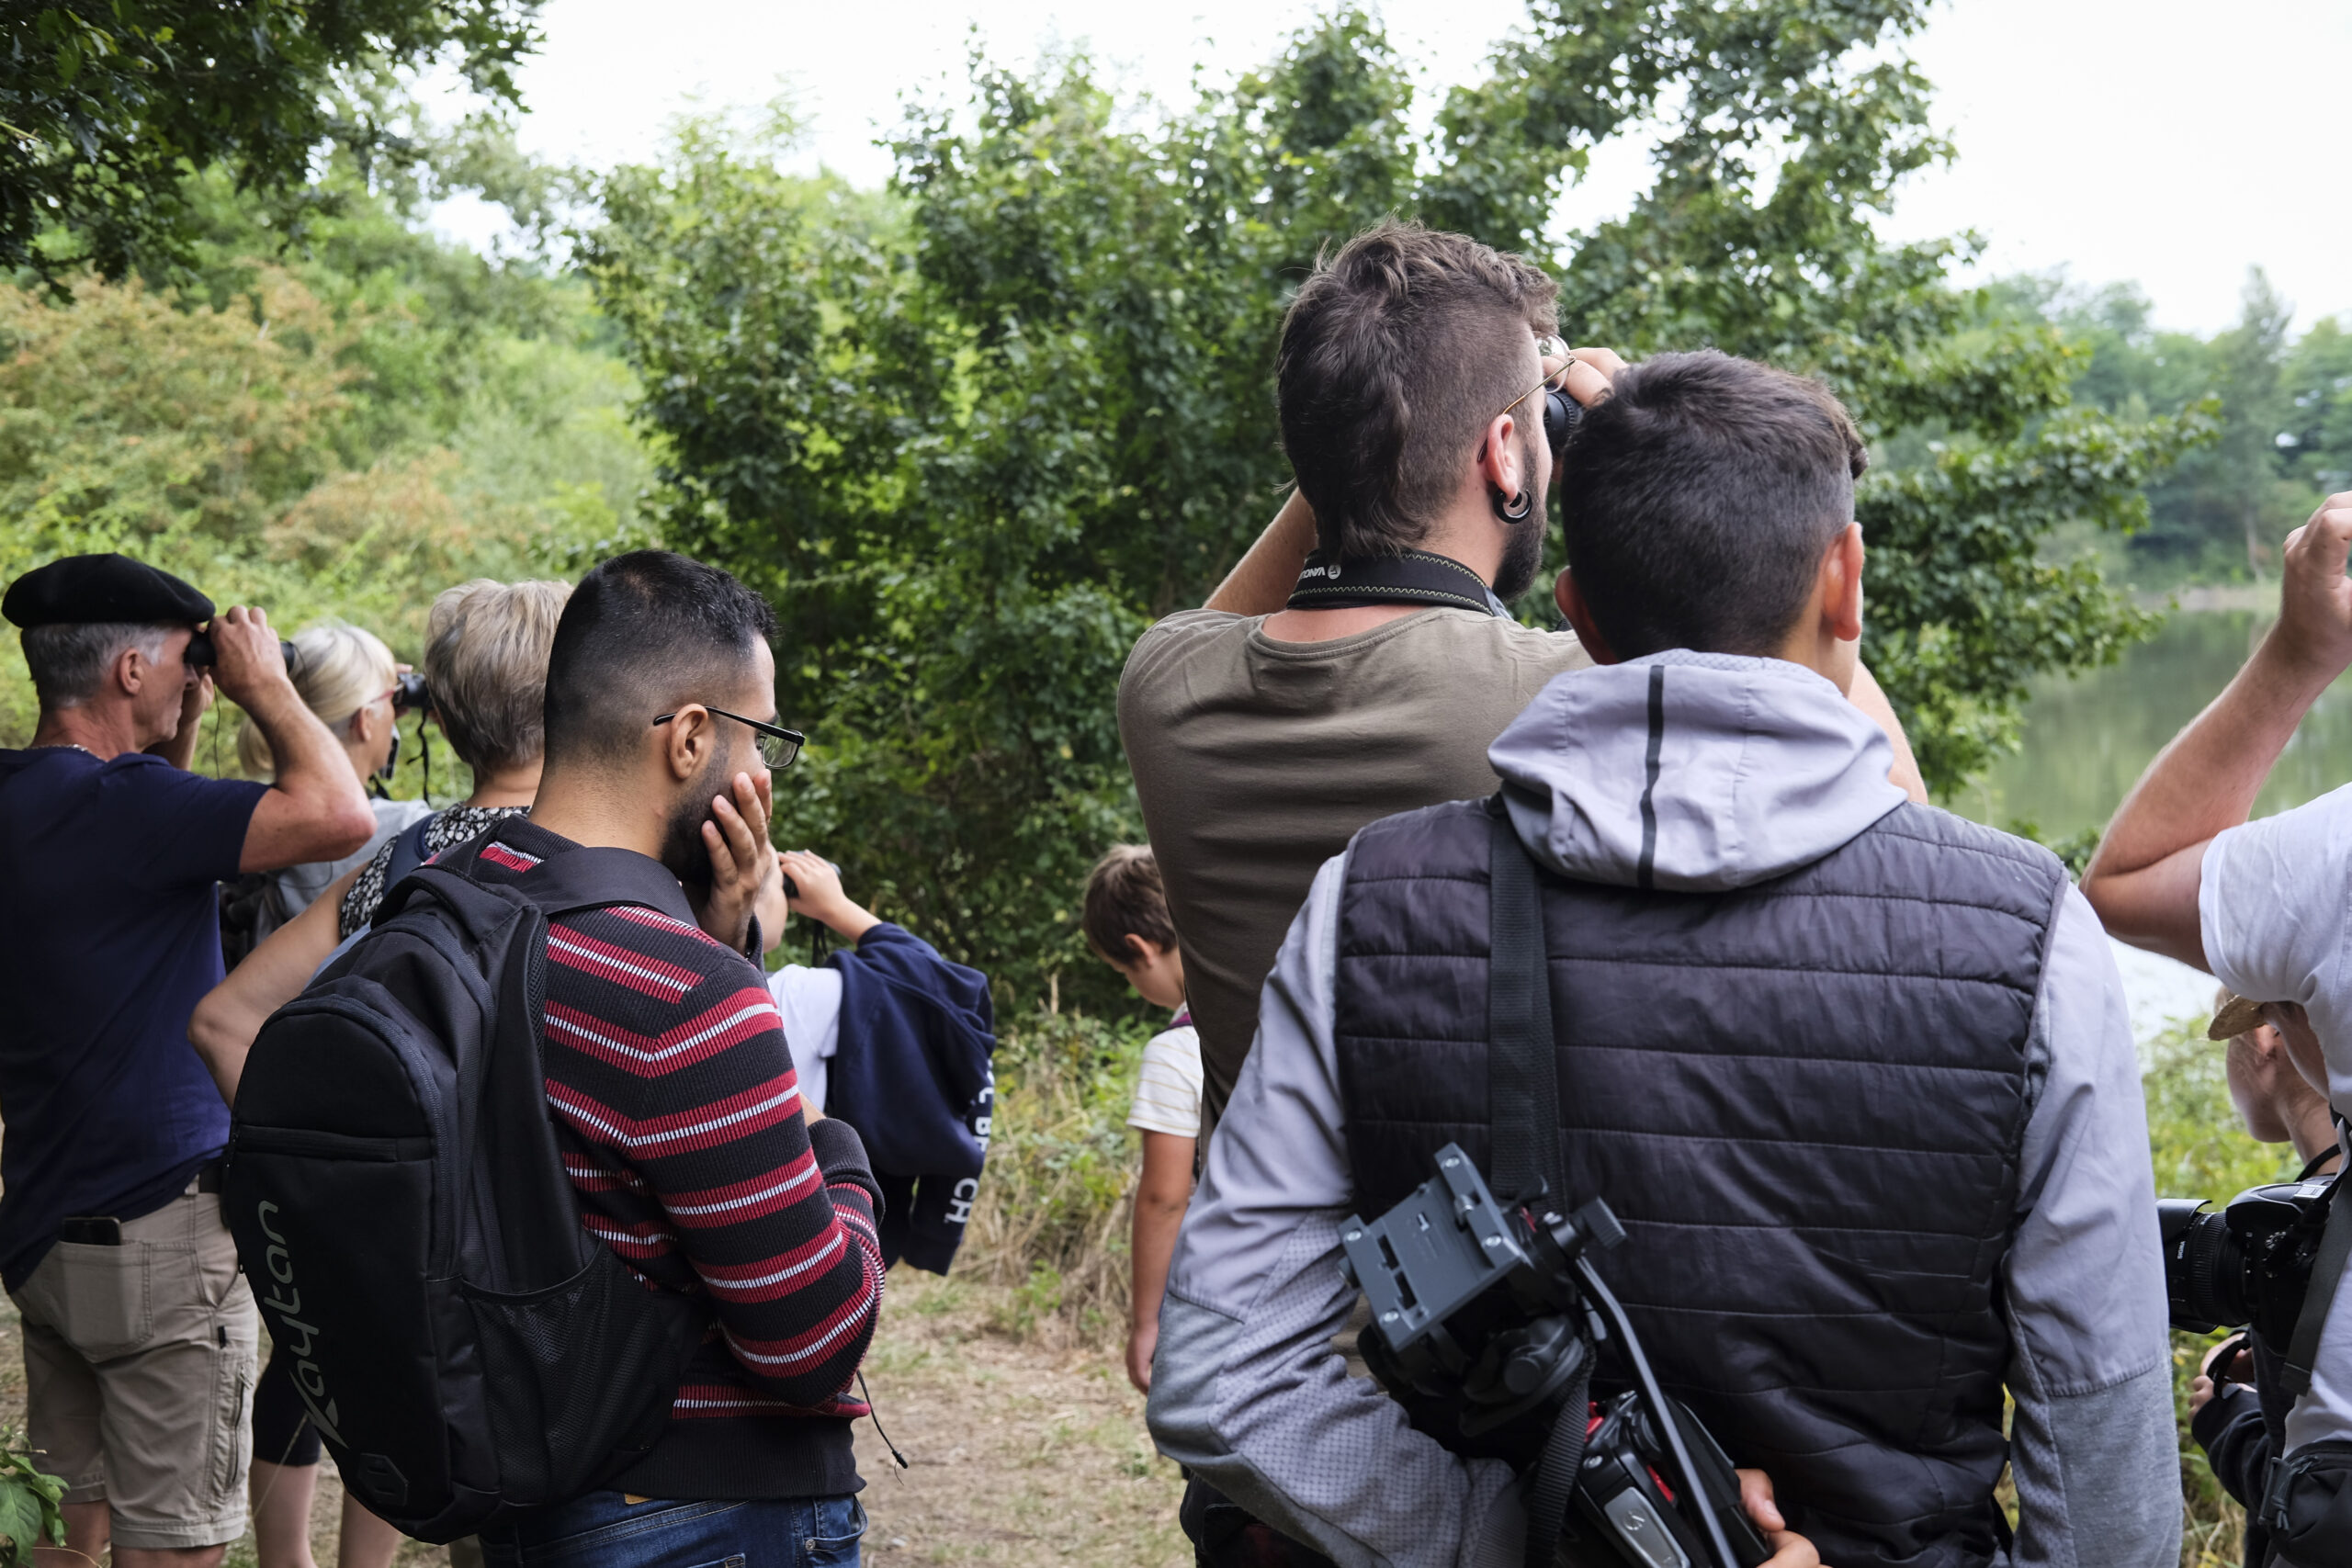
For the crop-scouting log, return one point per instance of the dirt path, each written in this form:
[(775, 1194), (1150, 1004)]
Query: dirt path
[(1021, 1454)]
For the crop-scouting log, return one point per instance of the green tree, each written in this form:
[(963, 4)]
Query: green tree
[(971, 434), (105, 107), (342, 431)]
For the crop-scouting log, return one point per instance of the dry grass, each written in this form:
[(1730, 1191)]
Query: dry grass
[(1020, 1453)]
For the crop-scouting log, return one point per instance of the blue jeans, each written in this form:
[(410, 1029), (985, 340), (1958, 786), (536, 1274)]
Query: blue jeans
[(603, 1530)]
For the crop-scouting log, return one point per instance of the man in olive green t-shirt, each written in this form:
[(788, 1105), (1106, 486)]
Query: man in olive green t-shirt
[(1262, 738)]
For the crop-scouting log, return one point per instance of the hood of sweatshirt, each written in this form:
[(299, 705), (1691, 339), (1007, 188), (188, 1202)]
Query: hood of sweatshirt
[(1692, 772)]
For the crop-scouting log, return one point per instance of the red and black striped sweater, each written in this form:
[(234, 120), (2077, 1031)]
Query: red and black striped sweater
[(680, 1120)]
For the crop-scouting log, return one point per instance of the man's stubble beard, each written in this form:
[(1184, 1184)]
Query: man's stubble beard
[(684, 854), (1523, 542)]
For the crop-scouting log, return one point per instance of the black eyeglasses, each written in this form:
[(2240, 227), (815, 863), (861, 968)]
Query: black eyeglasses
[(779, 746)]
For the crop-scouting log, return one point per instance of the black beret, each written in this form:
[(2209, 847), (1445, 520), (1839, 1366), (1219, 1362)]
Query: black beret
[(74, 589)]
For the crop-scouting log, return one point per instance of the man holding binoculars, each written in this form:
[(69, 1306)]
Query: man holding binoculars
[(140, 1337)]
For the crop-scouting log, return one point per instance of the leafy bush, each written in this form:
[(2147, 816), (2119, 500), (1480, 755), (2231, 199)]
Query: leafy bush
[(1053, 1210)]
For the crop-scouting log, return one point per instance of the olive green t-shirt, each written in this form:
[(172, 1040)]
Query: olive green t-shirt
[(1256, 761)]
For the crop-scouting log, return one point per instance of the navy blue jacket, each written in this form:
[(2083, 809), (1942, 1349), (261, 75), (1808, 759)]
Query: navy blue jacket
[(914, 1074)]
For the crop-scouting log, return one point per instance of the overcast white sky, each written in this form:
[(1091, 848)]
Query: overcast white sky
[(2172, 143)]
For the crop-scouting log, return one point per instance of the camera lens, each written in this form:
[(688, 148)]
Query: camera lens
[(410, 693), (2205, 1274)]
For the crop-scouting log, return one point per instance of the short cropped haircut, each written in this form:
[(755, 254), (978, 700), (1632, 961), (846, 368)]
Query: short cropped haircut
[(1398, 353), (338, 670), (1698, 498), (1124, 899), (645, 634), (486, 649), (69, 663)]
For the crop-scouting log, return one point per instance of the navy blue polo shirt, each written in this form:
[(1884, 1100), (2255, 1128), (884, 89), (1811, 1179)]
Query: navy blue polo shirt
[(109, 935)]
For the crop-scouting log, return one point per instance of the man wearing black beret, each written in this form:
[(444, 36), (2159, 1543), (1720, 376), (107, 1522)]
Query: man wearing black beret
[(139, 1336)]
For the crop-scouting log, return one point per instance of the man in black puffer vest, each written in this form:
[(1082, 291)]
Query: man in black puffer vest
[(1857, 1075)]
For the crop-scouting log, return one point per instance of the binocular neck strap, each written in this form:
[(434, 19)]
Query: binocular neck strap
[(1416, 577)]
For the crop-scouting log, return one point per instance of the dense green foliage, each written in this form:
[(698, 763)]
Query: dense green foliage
[(342, 431), (973, 433), (105, 107), (2285, 409)]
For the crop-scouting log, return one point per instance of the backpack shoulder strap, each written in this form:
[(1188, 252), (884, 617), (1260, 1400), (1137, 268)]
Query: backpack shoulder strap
[(593, 876), (408, 849), (1522, 1077)]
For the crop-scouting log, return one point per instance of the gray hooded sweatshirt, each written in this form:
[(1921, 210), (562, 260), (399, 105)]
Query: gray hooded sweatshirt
[(1767, 769)]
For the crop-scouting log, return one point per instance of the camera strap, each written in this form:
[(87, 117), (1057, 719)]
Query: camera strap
[(1415, 577), (1524, 1121), (2327, 1273)]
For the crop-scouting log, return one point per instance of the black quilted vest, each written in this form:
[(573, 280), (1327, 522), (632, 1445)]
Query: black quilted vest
[(1804, 1099)]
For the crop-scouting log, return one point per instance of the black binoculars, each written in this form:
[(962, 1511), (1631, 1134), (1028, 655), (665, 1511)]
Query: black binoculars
[(410, 694), (202, 655)]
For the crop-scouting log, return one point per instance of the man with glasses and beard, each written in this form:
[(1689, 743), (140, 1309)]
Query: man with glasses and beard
[(670, 1084)]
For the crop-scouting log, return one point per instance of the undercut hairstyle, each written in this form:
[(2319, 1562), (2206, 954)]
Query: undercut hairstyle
[(1398, 352), (69, 663), (1699, 500), (1124, 899), (645, 634), (486, 649)]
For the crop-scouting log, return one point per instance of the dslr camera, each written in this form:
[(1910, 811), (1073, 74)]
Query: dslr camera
[(2249, 1265), (1500, 1312)]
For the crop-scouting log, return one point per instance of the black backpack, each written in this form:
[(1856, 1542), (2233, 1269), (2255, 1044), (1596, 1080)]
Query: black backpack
[(463, 1345)]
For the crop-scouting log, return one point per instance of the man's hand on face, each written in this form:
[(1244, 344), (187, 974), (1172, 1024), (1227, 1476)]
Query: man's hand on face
[(247, 660), (2315, 598), (743, 869)]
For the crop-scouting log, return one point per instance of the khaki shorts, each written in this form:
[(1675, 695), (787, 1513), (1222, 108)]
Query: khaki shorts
[(140, 1362)]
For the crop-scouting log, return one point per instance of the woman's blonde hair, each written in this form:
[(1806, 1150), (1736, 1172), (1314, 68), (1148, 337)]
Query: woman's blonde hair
[(338, 670), (486, 665)]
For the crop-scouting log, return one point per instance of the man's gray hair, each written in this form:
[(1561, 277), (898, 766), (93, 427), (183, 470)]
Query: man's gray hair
[(69, 663)]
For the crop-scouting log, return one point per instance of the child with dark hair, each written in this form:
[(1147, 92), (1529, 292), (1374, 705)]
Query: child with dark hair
[(1126, 923)]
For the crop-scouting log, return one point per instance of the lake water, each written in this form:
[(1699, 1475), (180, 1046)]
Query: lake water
[(2087, 741)]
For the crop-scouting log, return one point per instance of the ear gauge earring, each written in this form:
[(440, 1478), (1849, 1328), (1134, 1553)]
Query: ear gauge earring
[(1517, 508)]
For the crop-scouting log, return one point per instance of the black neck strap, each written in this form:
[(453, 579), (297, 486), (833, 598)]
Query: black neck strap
[(1416, 577)]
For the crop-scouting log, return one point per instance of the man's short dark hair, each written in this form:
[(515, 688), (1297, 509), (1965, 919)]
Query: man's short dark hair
[(1396, 353), (643, 634), (1124, 899), (1700, 498)]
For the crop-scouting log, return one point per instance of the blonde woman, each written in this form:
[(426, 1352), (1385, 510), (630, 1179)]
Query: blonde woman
[(486, 668), (346, 676)]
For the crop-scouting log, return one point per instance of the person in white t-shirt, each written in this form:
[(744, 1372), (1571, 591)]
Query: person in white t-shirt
[(1126, 923), (2264, 907)]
